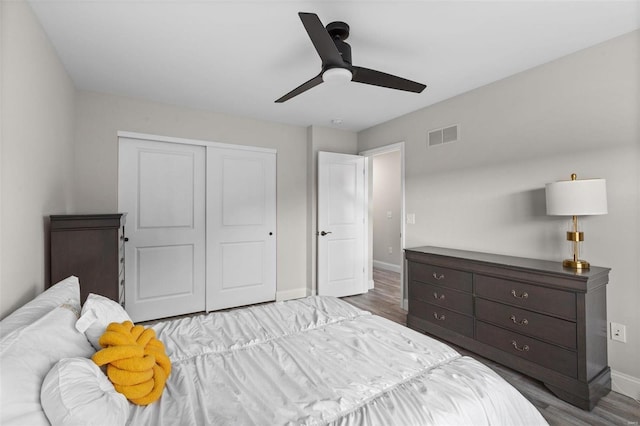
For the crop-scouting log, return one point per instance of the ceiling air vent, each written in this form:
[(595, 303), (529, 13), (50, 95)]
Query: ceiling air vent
[(443, 135)]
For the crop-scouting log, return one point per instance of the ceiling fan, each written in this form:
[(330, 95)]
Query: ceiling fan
[(336, 60)]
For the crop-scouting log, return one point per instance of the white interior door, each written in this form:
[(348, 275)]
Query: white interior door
[(341, 212), (162, 188), (241, 227)]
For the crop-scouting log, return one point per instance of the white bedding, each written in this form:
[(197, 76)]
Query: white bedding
[(322, 361)]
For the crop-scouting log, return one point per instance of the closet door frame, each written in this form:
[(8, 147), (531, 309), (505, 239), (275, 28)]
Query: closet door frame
[(171, 139)]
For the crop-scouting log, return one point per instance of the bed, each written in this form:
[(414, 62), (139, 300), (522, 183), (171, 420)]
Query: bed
[(312, 361)]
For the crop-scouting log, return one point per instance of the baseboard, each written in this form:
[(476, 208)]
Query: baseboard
[(387, 266), (297, 293), (625, 384)]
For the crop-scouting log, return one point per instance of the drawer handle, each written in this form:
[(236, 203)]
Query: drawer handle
[(524, 294), (439, 318), (515, 321), (438, 277), (525, 348), (435, 296)]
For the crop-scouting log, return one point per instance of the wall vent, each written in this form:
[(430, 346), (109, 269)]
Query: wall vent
[(443, 135)]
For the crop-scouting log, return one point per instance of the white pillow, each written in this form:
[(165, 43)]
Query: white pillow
[(66, 291), (97, 313), (27, 355), (77, 392)]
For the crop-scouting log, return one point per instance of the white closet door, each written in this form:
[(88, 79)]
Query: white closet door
[(162, 188), (241, 227)]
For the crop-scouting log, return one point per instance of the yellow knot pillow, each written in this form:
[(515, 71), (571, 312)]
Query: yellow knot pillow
[(136, 361)]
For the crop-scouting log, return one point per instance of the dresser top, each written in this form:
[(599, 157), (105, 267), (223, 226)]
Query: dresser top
[(553, 267), (86, 221), (98, 216)]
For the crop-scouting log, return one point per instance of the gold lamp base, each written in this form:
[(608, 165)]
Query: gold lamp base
[(576, 264), (576, 237)]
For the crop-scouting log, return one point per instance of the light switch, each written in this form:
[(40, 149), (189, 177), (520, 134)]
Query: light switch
[(411, 218), (389, 214)]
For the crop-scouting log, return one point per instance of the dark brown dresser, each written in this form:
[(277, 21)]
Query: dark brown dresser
[(533, 316), (90, 247)]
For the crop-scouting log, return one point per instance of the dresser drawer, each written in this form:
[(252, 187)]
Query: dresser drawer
[(443, 317), (442, 296), (540, 299), (544, 354), (441, 276), (550, 329)]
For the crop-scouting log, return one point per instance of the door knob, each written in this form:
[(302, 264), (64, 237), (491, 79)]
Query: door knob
[(324, 233)]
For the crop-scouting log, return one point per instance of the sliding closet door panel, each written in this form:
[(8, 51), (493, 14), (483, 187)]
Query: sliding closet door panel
[(162, 187), (241, 227)]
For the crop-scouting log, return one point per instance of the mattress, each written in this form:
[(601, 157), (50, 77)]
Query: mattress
[(319, 361)]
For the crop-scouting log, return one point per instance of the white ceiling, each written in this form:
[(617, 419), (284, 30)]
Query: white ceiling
[(238, 57)]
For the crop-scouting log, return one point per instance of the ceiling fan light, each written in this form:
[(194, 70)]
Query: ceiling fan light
[(336, 75)]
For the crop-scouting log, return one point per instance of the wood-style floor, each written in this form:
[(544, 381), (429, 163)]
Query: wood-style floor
[(613, 409)]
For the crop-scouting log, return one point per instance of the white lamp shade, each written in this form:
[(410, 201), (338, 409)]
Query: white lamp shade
[(577, 197)]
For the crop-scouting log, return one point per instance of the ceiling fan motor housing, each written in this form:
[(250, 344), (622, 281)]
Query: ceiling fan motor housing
[(338, 29)]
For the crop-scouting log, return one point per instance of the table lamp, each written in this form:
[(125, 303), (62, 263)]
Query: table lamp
[(576, 198)]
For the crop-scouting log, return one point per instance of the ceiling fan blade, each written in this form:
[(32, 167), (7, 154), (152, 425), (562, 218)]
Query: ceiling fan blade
[(378, 78), (302, 88), (321, 40)]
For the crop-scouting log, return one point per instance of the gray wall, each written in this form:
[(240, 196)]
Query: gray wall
[(36, 159), (99, 118), (486, 192), (387, 197)]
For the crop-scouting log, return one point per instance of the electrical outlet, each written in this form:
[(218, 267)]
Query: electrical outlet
[(619, 332)]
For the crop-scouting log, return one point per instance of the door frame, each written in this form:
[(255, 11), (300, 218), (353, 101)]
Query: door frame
[(369, 154)]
